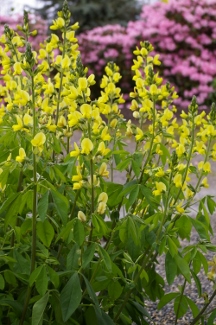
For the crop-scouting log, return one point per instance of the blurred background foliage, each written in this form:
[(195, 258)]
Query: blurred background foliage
[(92, 13)]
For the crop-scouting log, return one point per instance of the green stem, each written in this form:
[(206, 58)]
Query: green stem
[(180, 300), (34, 210), (195, 320), (151, 143)]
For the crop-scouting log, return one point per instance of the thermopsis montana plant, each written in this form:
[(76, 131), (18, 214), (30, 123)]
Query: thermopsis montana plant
[(77, 246)]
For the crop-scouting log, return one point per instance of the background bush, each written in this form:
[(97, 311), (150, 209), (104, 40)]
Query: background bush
[(183, 32)]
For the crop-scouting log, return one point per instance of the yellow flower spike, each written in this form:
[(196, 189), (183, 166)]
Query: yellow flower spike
[(160, 187), (57, 23), (101, 208), (86, 111), (205, 182), (105, 136), (22, 155), (76, 151), (81, 216), (139, 135), (39, 141), (102, 149), (103, 170), (103, 197), (87, 146), (177, 180), (83, 84)]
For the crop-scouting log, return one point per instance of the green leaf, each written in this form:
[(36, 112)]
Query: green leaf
[(166, 299), (180, 306), (42, 281), (70, 297), (114, 194), (99, 225), (106, 258), (211, 319), (91, 292), (123, 164), (103, 318), (38, 310), (79, 232), (193, 307), (43, 206), (198, 283), (34, 275), (2, 282), (61, 205), (115, 290), (203, 261), (45, 232), (211, 204), (141, 309), (73, 258), (133, 194), (173, 249), (184, 227), (22, 264), (133, 230), (54, 277), (200, 228), (12, 212), (183, 267), (171, 268), (10, 278), (88, 255)]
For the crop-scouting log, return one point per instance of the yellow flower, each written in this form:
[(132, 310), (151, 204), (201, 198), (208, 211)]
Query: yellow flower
[(179, 208), (160, 173), (76, 151), (105, 136), (87, 146), (86, 110), (81, 216), (83, 84), (180, 150), (178, 180), (57, 24), (19, 125), (160, 187), (205, 182), (17, 68), (65, 63), (61, 121), (156, 60), (103, 197), (28, 120), (139, 134), (22, 155), (39, 141), (206, 167), (103, 170), (101, 208), (102, 149)]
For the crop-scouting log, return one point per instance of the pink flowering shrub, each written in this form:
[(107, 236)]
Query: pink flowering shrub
[(182, 31)]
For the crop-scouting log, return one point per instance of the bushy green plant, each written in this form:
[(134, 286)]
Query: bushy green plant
[(78, 246)]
